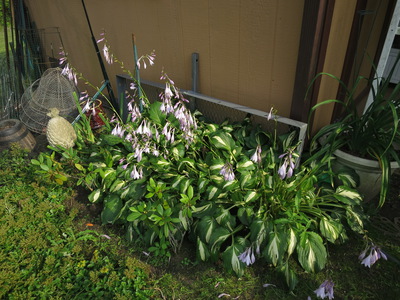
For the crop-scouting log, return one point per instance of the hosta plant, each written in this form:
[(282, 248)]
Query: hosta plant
[(231, 188)]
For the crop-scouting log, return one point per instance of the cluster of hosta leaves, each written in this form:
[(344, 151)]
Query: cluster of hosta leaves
[(231, 188)]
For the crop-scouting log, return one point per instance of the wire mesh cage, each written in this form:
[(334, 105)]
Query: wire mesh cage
[(52, 90)]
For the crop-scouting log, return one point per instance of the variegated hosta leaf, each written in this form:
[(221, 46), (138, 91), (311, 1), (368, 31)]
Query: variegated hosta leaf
[(290, 276), (205, 228), (212, 192), (251, 196), (202, 251), (312, 255), (259, 230), (330, 229), (292, 241), (223, 140), (276, 247), (355, 220), (95, 196), (245, 164), (245, 215), (224, 218), (347, 195), (117, 185), (231, 260), (219, 236), (112, 208)]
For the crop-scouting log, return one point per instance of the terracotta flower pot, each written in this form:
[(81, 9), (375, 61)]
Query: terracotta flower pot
[(93, 113)]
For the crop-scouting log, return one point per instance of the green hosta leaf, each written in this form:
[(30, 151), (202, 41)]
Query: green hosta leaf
[(178, 151), (245, 165), (251, 196), (347, 195), (212, 127), (247, 180), (186, 163), (212, 192), (292, 241), (111, 139), (112, 208), (231, 260), (155, 114), (117, 185), (108, 174), (312, 255), (217, 164), (259, 230), (245, 215), (224, 218), (219, 236), (355, 220), (204, 210), (290, 276), (205, 228), (202, 251), (330, 229), (222, 140), (95, 196), (217, 179), (202, 184), (276, 247), (230, 185)]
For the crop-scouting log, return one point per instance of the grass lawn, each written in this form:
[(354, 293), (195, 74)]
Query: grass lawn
[(53, 246)]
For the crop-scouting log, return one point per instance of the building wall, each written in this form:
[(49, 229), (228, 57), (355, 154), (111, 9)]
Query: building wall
[(247, 48)]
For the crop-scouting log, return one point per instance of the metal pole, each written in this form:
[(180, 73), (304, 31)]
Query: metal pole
[(103, 69), (137, 73)]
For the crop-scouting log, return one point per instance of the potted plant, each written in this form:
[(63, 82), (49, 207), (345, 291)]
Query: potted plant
[(366, 138)]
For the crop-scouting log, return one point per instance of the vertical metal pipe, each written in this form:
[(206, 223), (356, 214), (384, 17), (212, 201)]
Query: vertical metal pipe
[(195, 79), (195, 72), (137, 73)]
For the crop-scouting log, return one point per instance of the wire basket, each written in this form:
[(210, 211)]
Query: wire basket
[(52, 90)]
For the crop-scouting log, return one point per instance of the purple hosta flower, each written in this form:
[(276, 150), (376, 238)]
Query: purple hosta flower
[(150, 58), (325, 290), (138, 154), (102, 38), (144, 129), (129, 137), (227, 172), (256, 157), (134, 111), (270, 114), (136, 174), (118, 131), (248, 256), (69, 72), (63, 58), (375, 253), (107, 55), (287, 167), (156, 152), (168, 132)]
